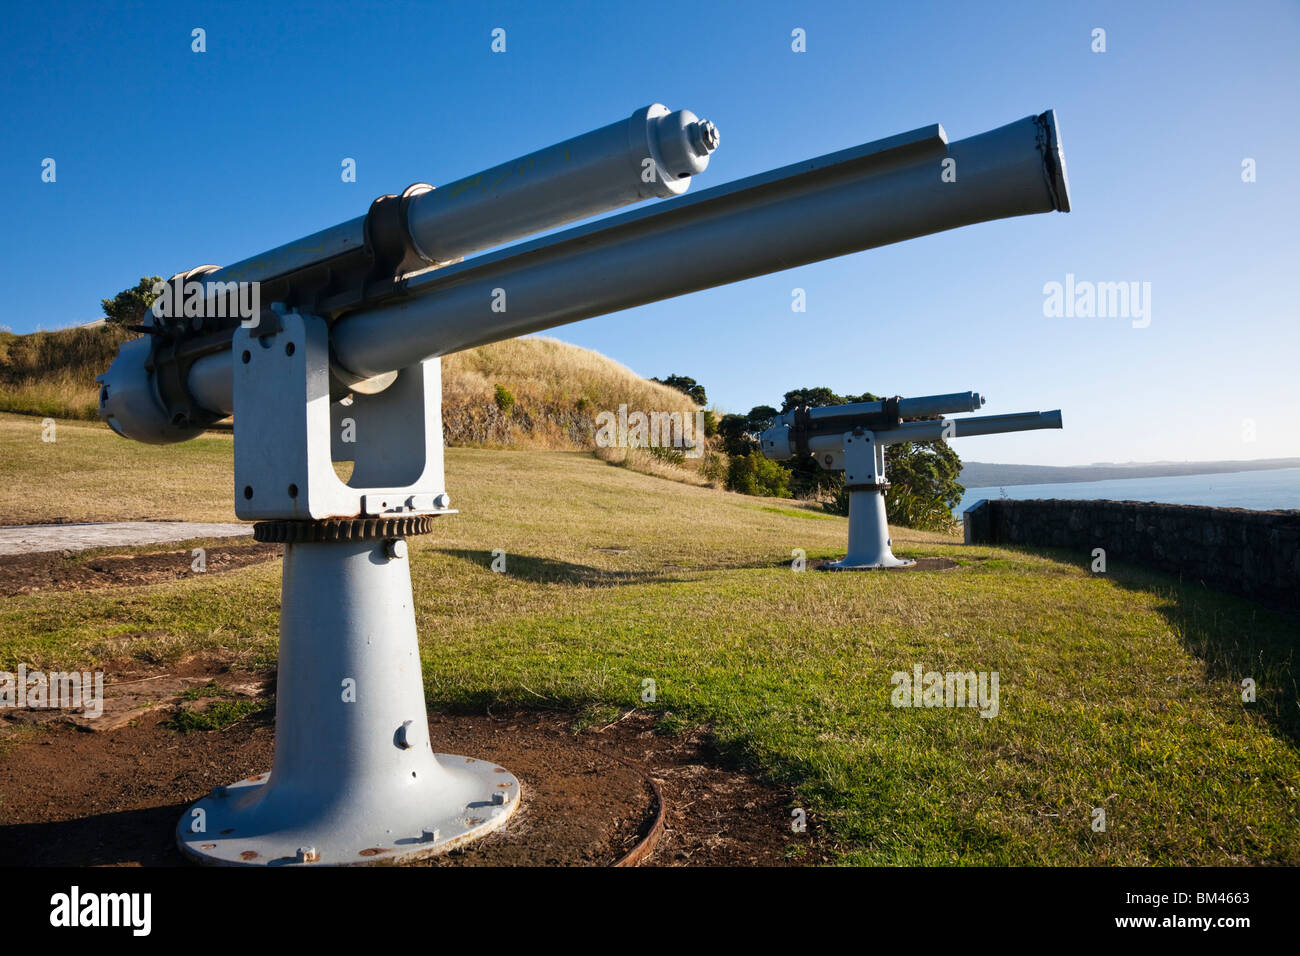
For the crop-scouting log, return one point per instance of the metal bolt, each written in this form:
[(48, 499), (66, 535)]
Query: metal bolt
[(442, 501), (429, 836), (704, 136), (499, 798), (307, 854), (395, 548)]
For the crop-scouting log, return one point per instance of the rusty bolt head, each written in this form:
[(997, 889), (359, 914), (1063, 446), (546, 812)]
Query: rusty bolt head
[(307, 854)]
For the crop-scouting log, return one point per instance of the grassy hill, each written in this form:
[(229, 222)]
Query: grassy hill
[(1120, 691), (53, 373), (552, 390)]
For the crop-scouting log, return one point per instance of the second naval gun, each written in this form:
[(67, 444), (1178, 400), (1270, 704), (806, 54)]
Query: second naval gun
[(852, 438)]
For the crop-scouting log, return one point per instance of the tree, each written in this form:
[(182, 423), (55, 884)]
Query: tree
[(923, 484), (820, 397), (686, 385), (129, 306), (739, 433), (812, 397)]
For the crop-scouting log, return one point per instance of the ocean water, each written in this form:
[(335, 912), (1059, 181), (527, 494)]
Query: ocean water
[(1275, 489)]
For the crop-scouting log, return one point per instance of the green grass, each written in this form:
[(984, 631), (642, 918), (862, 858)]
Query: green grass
[(1119, 691), (219, 715)]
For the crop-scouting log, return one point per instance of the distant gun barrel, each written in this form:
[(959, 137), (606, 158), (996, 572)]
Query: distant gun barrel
[(925, 406), (969, 427), (789, 437)]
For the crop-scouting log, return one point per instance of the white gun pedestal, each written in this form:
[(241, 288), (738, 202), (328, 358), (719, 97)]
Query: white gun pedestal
[(869, 541), (862, 457), (354, 780)]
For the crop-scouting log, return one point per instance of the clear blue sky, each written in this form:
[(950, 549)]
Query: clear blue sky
[(167, 159)]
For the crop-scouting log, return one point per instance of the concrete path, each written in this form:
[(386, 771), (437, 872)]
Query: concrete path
[(30, 538)]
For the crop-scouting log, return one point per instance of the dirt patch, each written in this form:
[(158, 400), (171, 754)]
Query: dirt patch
[(126, 698), (70, 570), (68, 797)]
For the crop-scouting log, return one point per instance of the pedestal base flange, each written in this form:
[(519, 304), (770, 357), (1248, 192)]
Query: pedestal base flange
[(250, 823), (844, 564)]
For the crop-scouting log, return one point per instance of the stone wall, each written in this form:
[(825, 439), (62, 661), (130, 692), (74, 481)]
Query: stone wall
[(1252, 553)]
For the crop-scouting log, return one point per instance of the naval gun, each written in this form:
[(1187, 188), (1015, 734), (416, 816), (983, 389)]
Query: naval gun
[(852, 438), (327, 349)]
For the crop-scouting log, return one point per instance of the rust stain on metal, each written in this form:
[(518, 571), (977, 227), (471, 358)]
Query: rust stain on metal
[(248, 855), (374, 851)]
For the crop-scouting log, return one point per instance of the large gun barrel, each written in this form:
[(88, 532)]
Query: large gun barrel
[(654, 152), (969, 427), (867, 196), (380, 281)]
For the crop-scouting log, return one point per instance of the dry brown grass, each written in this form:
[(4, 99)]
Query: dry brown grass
[(53, 373), (558, 391), (642, 460)]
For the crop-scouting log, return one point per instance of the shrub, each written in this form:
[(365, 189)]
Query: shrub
[(713, 467), (710, 423), (674, 456), (505, 400), (752, 474), (905, 507)]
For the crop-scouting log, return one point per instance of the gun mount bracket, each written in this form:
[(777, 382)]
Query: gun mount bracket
[(880, 486), (346, 529), (389, 244)]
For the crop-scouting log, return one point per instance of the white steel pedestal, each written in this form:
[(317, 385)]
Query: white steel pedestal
[(354, 780), (869, 541)]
